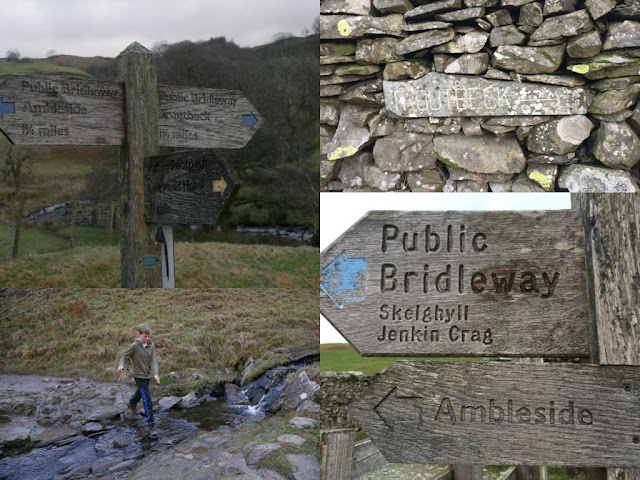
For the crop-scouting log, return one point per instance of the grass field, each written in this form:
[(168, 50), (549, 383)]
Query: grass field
[(38, 67), (342, 357), (198, 265), (82, 332)]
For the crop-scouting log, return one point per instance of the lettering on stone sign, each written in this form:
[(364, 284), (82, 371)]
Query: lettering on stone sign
[(185, 115), (457, 98), (169, 165), (49, 131), (497, 412), (54, 108), (454, 278), (72, 89), (202, 98), (180, 186), (184, 134)]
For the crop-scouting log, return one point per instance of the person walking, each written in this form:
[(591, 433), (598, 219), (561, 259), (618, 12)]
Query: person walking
[(143, 359)]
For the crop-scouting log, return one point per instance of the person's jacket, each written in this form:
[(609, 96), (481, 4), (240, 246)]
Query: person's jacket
[(143, 359)]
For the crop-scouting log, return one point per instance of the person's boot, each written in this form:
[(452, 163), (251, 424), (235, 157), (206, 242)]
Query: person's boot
[(133, 412)]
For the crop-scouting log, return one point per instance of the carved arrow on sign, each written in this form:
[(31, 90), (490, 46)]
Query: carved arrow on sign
[(344, 279), (384, 409)]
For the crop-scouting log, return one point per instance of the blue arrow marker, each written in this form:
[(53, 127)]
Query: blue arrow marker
[(344, 279), (249, 120), (7, 107)]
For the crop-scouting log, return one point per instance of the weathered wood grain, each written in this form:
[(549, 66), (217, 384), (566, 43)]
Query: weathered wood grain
[(204, 118), (613, 248), (551, 321), (366, 458), (56, 110), (188, 187), (421, 412), (137, 70), (336, 454)]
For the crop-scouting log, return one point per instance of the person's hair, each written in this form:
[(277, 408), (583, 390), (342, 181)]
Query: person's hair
[(144, 328)]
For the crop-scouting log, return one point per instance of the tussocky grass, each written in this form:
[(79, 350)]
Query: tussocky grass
[(198, 265), (211, 332)]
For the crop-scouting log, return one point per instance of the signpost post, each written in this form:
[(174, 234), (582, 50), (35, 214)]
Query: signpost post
[(191, 187), (139, 115), (459, 283)]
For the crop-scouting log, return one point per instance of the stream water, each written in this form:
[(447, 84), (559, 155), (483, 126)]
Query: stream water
[(128, 440), (124, 440)]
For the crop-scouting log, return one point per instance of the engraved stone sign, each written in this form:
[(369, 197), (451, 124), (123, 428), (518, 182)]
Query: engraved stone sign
[(459, 283), (504, 414), (188, 187), (443, 95), (205, 118), (54, 110)]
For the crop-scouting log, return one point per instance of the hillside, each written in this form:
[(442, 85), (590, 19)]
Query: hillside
[(279, 168), (82, 332), (39, 67)]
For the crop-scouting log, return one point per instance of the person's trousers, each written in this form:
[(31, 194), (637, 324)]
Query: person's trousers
[(142, 393)]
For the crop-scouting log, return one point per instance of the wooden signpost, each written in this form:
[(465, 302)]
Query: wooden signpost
[(205, 118), (55, 110), (141, 116), (515, 413), (459, 283), (191, 187)]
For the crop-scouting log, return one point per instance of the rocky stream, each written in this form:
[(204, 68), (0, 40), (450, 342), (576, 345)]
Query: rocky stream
[(64, 428)]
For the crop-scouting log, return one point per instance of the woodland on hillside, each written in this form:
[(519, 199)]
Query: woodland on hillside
[(279, 168)]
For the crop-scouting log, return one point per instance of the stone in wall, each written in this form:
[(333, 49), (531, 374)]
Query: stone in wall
[(480, 95)]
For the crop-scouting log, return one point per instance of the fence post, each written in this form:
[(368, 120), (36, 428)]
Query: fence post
[(18, 227), (137, 70), (336, 452), (110, 220), (467, 472), (612, 226), (72, 225)]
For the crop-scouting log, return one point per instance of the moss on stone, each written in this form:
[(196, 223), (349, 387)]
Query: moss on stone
[(545, 181), (445, 160), (342, 152), (580, 68)]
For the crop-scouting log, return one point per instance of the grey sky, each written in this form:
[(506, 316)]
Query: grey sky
[(106, 27)]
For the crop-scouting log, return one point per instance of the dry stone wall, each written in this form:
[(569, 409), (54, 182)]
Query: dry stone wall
[(480, 95)]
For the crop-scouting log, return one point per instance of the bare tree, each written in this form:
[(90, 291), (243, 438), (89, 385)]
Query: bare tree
[(14, 165), (13, 55), (27, 306)]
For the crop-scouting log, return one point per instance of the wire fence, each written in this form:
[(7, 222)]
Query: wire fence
[(57, 227)]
